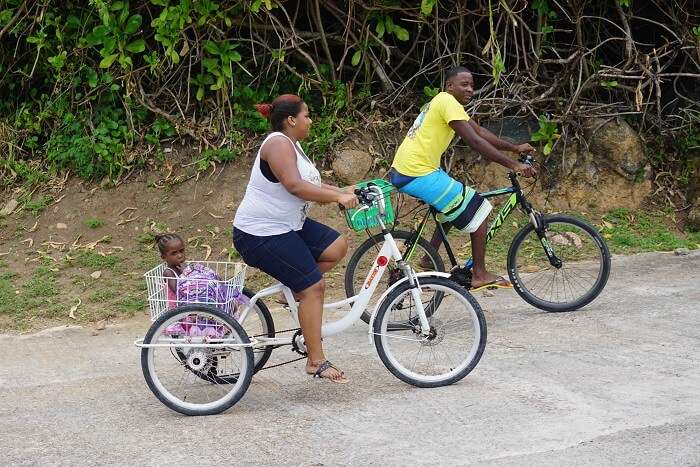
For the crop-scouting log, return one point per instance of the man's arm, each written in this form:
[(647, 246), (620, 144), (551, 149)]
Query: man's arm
[(486, 149), (499, 143)]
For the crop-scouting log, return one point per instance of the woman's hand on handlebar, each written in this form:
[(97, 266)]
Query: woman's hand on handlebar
[(347, 200)]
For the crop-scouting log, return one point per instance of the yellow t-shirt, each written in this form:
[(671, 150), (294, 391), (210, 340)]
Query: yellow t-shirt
[(429, 137)]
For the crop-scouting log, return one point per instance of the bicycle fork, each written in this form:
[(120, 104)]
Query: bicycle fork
[(415, 295), (537, 221)]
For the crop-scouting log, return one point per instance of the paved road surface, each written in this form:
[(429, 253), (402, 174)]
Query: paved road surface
[(615, 383)]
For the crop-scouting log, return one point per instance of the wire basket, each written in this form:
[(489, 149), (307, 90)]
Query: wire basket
[(222, 293), (360, 220)]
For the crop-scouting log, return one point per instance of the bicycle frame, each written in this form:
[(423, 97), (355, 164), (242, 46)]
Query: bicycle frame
[(516, 197)]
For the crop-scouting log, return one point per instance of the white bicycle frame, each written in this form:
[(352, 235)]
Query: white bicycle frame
[(389, 251)]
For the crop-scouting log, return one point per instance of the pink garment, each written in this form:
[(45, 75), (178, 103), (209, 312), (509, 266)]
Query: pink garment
[(170, 293)]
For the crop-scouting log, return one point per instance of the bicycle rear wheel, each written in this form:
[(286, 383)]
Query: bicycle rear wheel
[(457, 333), (202, 348), (259, 323), (584, 270), (363, 258)]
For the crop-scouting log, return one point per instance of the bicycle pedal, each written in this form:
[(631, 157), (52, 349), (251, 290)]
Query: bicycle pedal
[(461, 276)]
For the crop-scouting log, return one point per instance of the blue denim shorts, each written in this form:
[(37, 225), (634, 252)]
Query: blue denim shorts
[(289, 257)]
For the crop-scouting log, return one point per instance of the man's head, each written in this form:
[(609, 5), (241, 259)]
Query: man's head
[(460, 83)]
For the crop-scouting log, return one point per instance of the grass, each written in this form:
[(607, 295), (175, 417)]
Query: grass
[(92, 259), (146, 238), (94, 223), (632, 231), (103, 295), (38, 297), (131, 304), (37, 205)]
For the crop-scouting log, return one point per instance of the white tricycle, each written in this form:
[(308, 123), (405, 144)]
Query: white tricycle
[(199, 358)]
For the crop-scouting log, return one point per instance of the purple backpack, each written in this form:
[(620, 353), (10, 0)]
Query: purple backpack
[(198, 283)]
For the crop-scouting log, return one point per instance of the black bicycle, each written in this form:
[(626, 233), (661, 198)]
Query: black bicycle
[(555, 262)]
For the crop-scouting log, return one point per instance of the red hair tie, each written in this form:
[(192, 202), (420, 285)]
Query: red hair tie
[(264, 109)]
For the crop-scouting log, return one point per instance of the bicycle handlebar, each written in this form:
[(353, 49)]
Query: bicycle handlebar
[(365, 196), (525, 158)]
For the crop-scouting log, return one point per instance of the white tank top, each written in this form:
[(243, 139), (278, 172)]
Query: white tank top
[(268, 208)]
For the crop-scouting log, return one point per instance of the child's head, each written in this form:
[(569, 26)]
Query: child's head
[(172, 248)]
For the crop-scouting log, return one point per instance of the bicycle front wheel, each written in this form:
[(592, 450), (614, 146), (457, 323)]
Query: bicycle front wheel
[(199, 363), (454, 345), (582, 275), (363, 258)]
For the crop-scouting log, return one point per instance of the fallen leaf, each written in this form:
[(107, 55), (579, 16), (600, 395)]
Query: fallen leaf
[(74, 308), (208, 248), (9, 207), (126, 221), (126, 209), (58, 200), (29, 241), (101, 325)]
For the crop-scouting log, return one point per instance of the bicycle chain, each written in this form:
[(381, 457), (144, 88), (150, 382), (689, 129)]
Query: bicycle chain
[(294, 348)]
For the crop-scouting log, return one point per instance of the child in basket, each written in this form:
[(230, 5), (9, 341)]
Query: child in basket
[(194, 283)]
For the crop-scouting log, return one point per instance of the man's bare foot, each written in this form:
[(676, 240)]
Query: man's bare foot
[(325, 369), (490, 280)]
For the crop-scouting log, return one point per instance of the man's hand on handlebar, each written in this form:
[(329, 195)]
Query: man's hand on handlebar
[(525, 148), (526, 170)]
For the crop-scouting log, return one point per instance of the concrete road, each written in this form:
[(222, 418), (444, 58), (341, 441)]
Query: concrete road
[(617, 383)]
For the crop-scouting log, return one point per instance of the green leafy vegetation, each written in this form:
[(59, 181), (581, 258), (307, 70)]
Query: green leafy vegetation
[(92, 259), (94, 223), (37, 205), (547, 133)]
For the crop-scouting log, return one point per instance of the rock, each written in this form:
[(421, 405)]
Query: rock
[(616, 143), (61, 226), (681, 251), (96, 274), (573, 238), (514, 129), (351, 166), (9, 207), (560, 239)]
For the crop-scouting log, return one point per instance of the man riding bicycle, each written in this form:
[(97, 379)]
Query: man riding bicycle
[(416, 167)]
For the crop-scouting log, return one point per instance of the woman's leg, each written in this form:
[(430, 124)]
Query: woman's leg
[(310, 320), (288, 259), (333, 254)]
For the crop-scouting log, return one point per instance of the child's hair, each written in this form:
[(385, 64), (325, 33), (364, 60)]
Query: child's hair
[(162, 240)]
